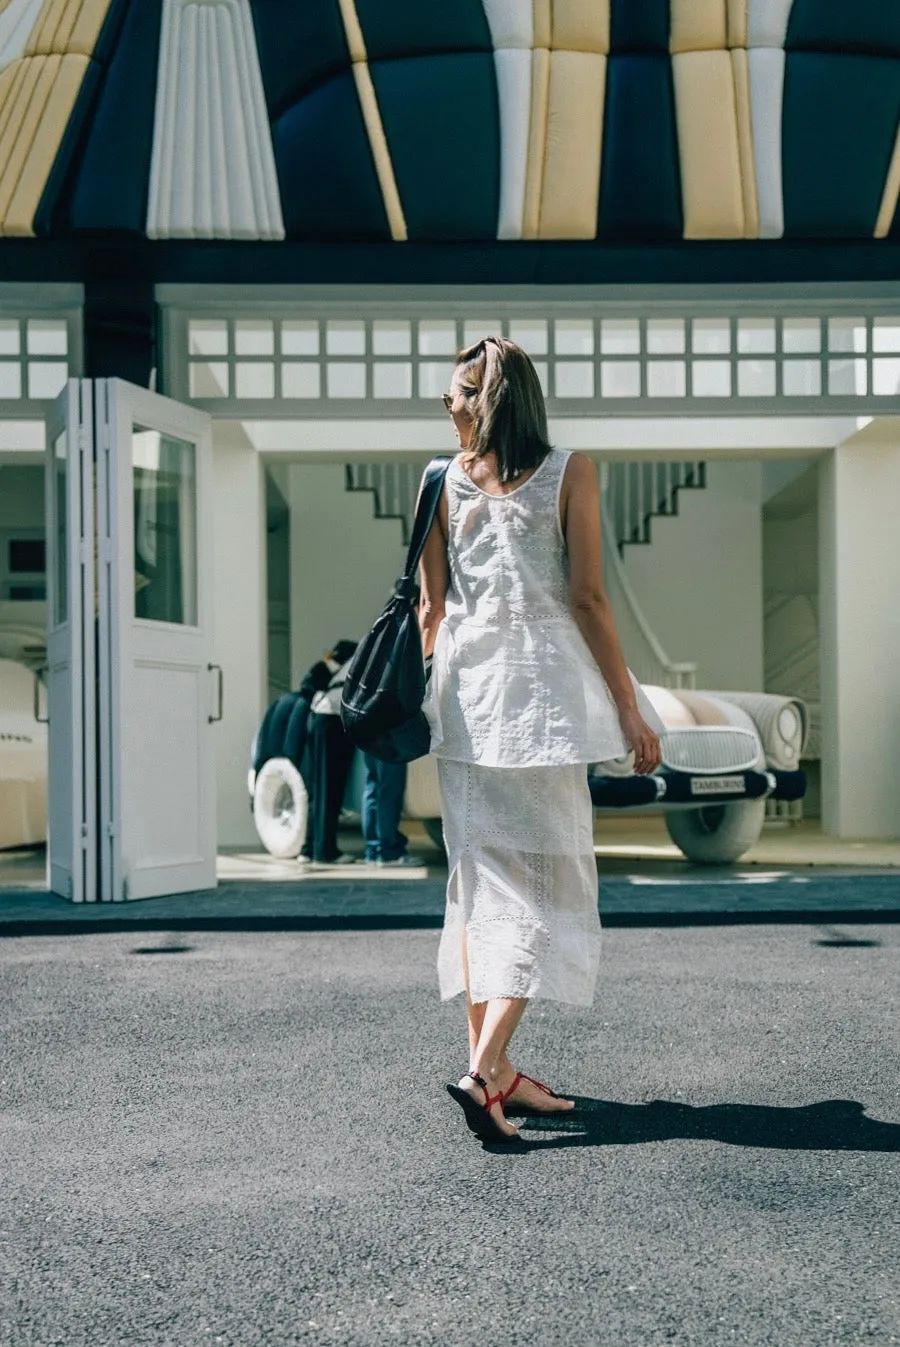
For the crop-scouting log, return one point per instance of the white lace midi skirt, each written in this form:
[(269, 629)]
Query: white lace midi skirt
[(522, 892)]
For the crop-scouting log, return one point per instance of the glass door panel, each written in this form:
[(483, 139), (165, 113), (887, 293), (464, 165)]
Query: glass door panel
[(165, 527)]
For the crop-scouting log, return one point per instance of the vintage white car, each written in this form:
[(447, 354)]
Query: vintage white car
[(23, 760), (724, 754)]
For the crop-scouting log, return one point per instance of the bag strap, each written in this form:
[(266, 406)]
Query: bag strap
[(429, 496)]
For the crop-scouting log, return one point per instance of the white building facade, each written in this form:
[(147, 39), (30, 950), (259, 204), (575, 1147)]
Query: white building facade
[(229, 317)]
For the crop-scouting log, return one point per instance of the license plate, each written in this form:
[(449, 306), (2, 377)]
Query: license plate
[(716, 785)]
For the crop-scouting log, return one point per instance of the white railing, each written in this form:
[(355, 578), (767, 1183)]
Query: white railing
[(643, 651), (395, 487), (636, 493)]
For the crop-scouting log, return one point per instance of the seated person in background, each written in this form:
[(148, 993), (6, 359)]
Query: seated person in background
[(284, 728)]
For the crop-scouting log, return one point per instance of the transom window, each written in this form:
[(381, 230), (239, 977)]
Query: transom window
[(624, 361), (34, 357)]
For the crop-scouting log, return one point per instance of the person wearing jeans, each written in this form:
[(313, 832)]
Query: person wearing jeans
[(326, 763), (382, 807)]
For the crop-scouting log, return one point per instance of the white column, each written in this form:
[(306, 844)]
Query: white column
[(239, 508), (859, 619), (699, 581)]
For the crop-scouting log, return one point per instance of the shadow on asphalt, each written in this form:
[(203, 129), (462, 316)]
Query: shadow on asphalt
[(831, 1125), (164, 949), (845, 942)]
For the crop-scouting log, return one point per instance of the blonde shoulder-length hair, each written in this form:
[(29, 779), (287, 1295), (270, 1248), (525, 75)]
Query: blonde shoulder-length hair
[(506, 403)]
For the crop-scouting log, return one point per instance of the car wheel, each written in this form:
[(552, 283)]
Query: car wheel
[(717, 834), (280, 807)]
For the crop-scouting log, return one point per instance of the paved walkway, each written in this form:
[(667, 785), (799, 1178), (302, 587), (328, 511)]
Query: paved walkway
[(242, 1139)]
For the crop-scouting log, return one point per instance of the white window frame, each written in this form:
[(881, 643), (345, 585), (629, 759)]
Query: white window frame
[(642, 305), (64, 303)]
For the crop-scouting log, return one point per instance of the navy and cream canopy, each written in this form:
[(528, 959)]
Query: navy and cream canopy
[(423, 120)]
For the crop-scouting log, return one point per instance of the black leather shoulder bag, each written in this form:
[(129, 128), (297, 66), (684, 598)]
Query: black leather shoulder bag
[(381, 705)]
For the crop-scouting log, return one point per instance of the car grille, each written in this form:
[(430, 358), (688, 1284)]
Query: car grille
[(710, 748)]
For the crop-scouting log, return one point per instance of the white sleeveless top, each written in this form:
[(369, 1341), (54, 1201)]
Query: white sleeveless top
[(513, 682)]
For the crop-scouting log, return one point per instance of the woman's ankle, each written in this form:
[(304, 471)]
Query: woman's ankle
[(497, 1077)]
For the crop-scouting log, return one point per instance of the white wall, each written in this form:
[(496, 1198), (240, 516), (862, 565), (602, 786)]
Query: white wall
[(859, 568), (239, 543), (779, 473), (344, 561), (791, 588), (699, 582)]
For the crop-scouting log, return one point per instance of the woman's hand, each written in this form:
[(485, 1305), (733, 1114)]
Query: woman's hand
[(642, 740)]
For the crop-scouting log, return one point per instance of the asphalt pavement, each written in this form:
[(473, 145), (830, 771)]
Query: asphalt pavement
[(242, 1137)]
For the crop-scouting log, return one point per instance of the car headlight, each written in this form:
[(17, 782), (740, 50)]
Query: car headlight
[(789, 728), (618, 767)]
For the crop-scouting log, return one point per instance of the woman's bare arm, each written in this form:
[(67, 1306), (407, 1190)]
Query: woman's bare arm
[(590, 606), (434, 578)]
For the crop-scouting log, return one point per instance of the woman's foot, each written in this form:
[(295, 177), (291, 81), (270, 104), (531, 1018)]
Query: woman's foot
[(523, 1092), (482, 1104)]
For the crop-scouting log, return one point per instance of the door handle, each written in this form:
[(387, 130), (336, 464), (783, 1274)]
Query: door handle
[(38, 684), (220, 680)]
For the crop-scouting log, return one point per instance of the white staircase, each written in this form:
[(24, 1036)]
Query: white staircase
[(644, 653), (394, 488), (636, 493)]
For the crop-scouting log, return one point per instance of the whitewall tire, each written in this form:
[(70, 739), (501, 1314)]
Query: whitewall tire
[(280, 807), (717, 834)]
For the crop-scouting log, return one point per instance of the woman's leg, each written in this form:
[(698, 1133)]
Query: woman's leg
[(527, 1093), (475, 1017), (491, 1026), (500, 1019), (474, 1010)]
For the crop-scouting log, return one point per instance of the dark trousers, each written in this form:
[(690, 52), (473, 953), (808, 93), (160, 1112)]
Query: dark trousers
[(382, 807), (326, 767)]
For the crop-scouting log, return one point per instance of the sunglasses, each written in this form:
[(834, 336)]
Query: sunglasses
[(449, 398)]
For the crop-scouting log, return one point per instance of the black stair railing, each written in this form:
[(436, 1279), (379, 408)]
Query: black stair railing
[(637, 493)]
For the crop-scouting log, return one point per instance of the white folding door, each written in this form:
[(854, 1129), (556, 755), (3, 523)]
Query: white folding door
[(147, 688), (71, 647)]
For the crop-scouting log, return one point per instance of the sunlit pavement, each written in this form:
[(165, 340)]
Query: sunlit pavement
[(243, 1137), (351, 901)]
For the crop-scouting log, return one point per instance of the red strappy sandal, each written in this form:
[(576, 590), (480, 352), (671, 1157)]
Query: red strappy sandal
[(478, 1116), (528, 1108)]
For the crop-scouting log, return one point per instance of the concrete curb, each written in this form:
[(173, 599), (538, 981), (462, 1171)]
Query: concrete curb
[(351, 905), (612, 920)]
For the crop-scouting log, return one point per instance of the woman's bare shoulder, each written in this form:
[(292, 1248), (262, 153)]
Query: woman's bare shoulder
[(580, 470), (579, 485), (580, 463)]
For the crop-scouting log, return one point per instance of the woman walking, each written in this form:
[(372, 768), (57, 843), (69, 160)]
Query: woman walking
[(528, 686)]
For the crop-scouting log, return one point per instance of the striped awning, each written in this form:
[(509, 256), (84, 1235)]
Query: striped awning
[(380, 120)]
